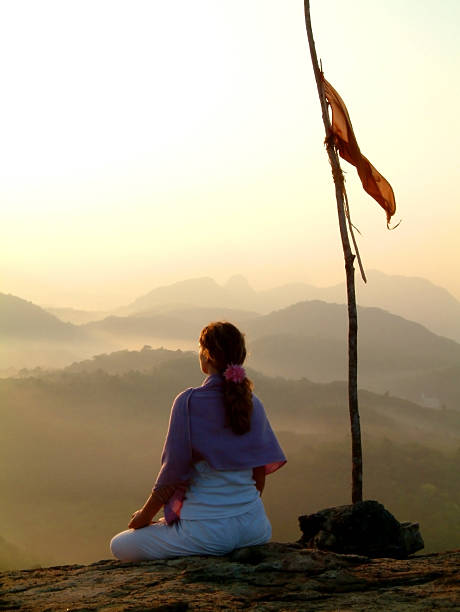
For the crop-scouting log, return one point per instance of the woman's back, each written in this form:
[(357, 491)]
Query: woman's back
[(212, 439), (219, 493)]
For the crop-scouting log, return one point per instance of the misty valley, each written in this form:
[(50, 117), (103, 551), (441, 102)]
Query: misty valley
[(85, 406)]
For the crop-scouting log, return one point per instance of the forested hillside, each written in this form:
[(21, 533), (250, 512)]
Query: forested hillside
[(85, 447)]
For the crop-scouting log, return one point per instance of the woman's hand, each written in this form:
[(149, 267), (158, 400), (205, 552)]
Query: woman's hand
[(143, 517), (139, 519)]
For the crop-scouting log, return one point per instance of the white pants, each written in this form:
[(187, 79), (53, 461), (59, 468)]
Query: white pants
[(193, 537)]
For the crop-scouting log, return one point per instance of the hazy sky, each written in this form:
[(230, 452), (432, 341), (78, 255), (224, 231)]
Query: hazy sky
[(144, 142)]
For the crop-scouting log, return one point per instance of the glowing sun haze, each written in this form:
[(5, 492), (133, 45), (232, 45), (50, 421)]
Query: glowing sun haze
[(146, 142)]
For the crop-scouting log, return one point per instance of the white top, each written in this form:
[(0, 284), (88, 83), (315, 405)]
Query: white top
[(218, 493)]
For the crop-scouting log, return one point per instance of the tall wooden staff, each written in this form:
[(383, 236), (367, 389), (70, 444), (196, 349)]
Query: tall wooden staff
[(340, 194)]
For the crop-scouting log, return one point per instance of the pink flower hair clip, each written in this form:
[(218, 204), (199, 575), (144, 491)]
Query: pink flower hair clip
[(235, 373)]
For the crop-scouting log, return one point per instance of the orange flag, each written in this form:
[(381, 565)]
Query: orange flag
[(345, 140)]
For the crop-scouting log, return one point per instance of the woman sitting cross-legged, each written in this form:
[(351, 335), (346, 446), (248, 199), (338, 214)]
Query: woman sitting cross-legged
[(218, 449)]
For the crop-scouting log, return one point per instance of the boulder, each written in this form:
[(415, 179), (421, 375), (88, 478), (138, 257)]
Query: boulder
[(274, 577), (365, 528)]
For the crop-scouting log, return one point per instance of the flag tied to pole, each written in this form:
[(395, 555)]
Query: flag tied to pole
[(345, 140)]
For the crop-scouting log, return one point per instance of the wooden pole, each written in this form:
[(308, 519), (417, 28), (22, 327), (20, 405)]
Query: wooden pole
[(357, 462)]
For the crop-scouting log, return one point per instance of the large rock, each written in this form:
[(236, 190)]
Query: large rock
[(365, 528), (270, 578)]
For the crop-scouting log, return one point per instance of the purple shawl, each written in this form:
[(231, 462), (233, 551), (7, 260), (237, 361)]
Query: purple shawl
[(197, 431)]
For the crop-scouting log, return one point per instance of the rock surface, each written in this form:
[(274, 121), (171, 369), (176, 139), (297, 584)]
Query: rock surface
[(266, 578), (365, 528)]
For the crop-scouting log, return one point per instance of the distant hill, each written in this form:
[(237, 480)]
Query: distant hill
[(194, 292), (34, 337), (382, 333), (121, 362), (38, 338), (21, 319), (416, 299), (236, 293), (413, 298), (307, 339), (76, 316), (175, 323), (310, 339), (386, 342)]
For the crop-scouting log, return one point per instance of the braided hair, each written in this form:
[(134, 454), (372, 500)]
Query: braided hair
[(223, 345)]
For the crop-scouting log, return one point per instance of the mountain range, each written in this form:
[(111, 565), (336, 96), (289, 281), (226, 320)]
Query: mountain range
[(413, 298), (307, 339)]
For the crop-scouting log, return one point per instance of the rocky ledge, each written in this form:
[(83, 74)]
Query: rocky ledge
[(270, 577)]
